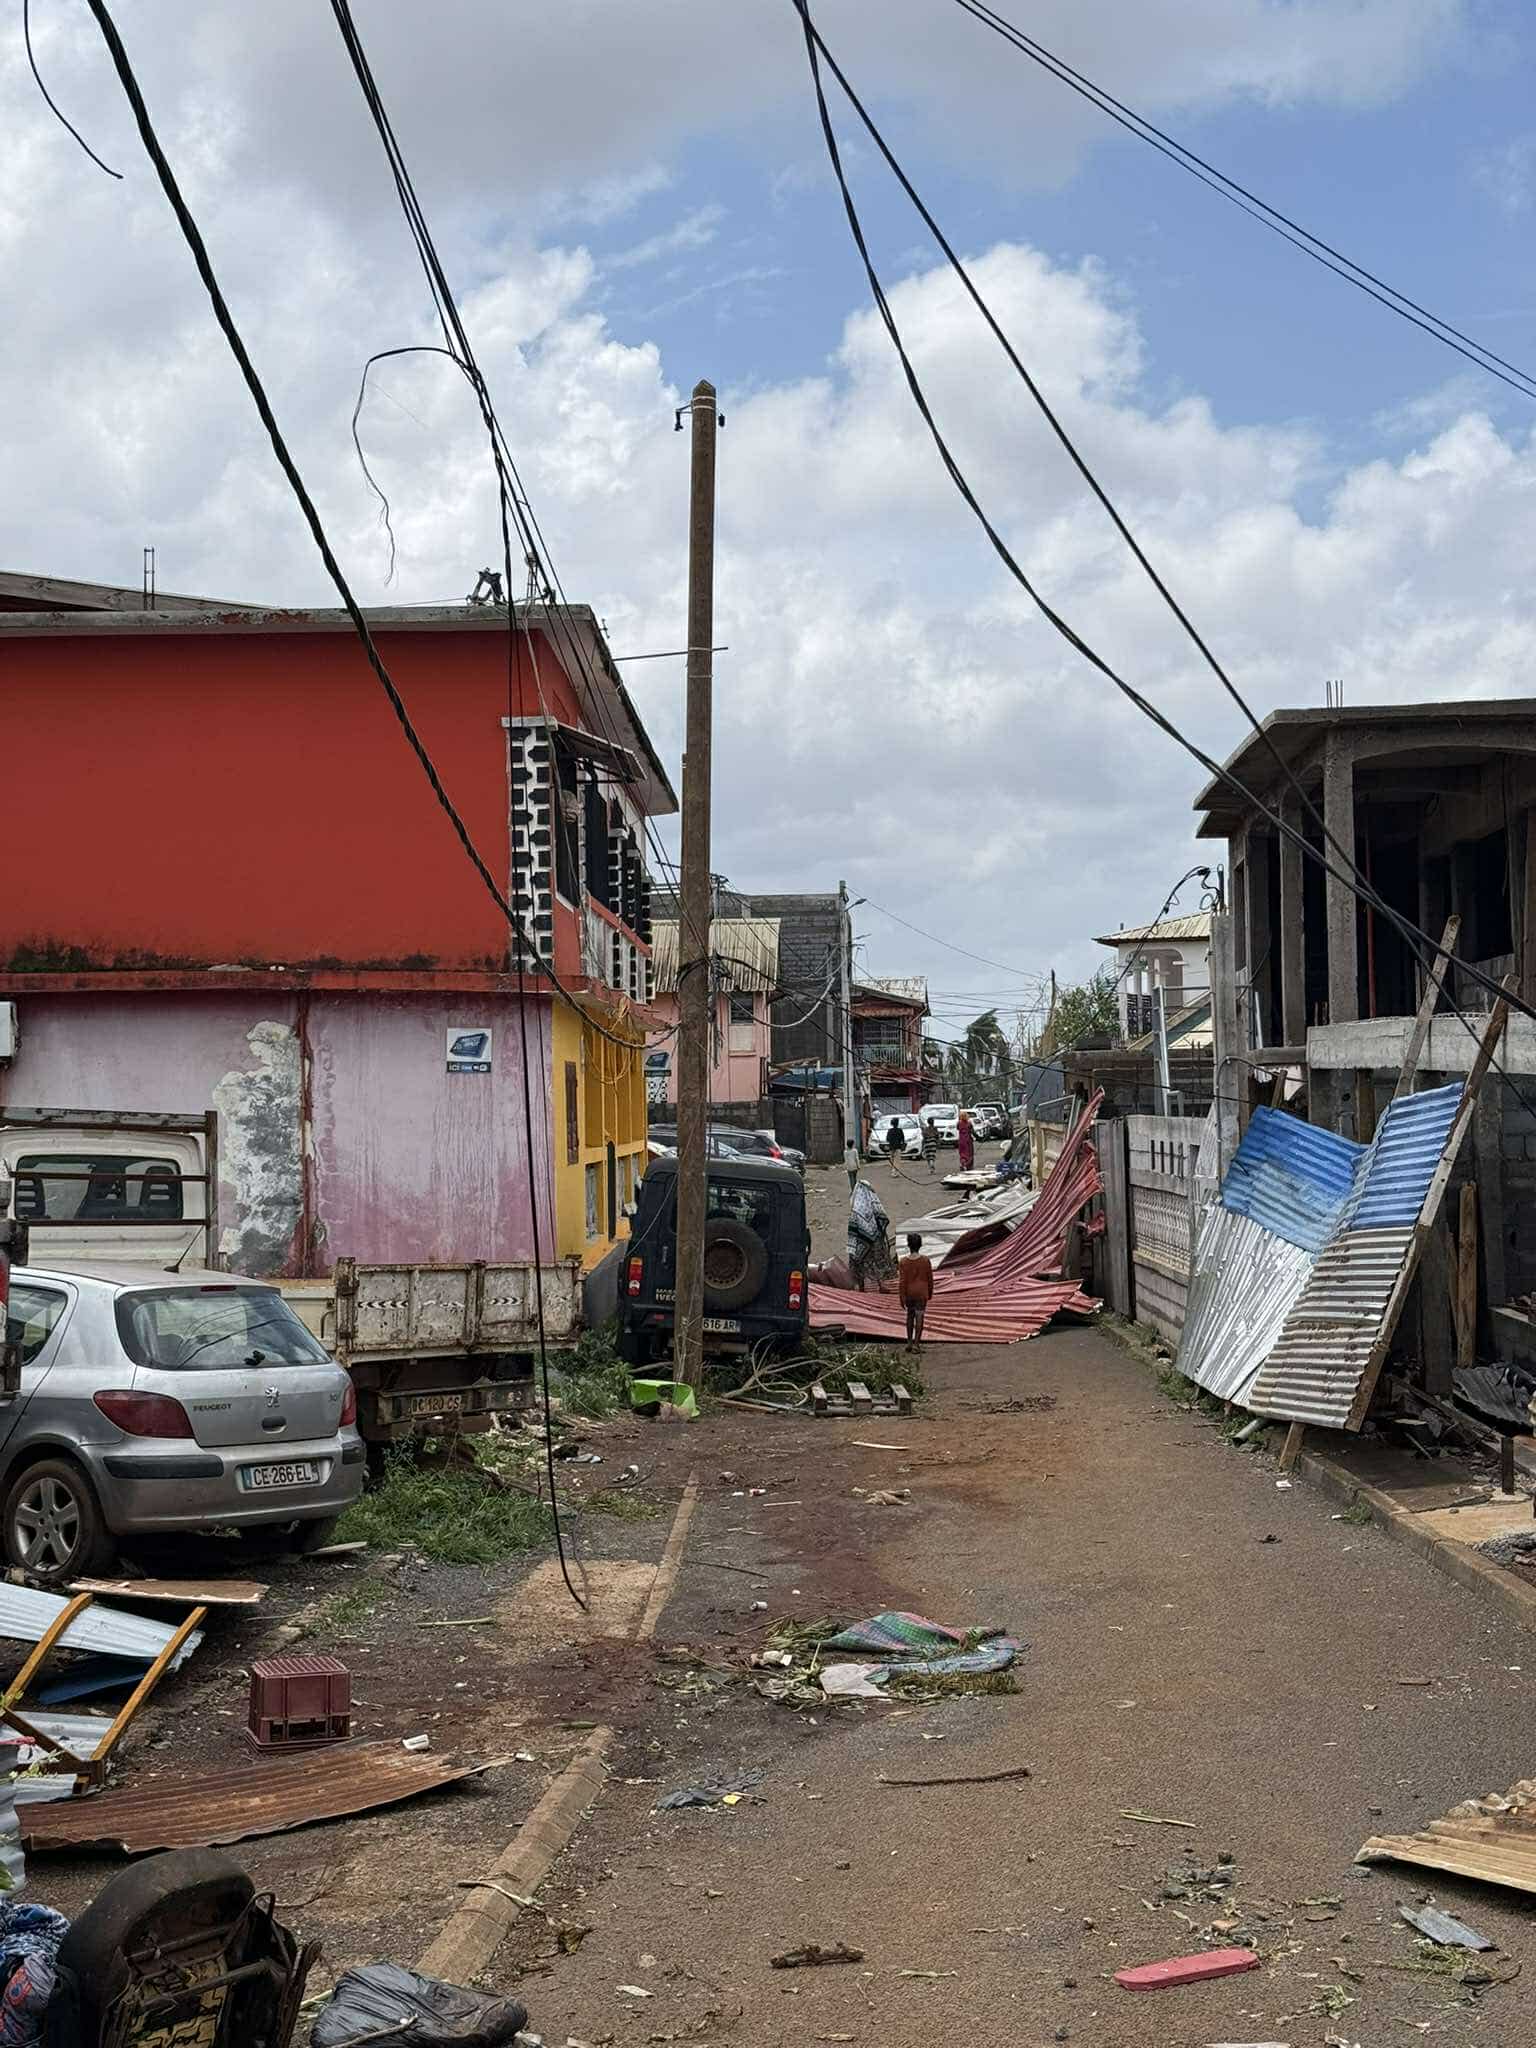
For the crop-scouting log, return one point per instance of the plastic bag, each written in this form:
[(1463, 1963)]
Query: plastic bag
[(423, 2012)]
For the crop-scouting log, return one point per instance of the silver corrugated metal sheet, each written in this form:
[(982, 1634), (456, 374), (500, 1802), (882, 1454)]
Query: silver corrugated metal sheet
[(1314, 1370), (1197, 925), (1402, 1158), (1245, 1281), (27, 1614), (745, 952)]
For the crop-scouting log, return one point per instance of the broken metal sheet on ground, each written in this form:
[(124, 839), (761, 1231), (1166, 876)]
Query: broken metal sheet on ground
[(179, 1592), (252, 1799), (26, 1615), (1243, 1285), (1492, 1839), (982, 1219), (991, 1292), (1444, 1928)]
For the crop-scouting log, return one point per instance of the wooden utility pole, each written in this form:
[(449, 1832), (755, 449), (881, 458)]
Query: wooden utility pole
[(693, 976)]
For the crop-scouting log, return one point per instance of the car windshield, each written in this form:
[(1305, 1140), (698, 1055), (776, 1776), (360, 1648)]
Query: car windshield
[(210, 1329)]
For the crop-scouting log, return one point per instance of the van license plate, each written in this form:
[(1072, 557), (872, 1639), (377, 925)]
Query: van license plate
[(721, 1326), (305, 1473), (436, 1404)]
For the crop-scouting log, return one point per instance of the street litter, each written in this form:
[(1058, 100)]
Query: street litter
[(671, 1400), (1216, 1962), (853, 1681), (712, 1792), (885, 1496), (30, 1937), (814, 1954), (634, 1991), (179, 1592), (1444, 1928), (387, 2002), (416, 1743), (932, 1651), (1155, 1820), (965, 1778), (1493, 1839)]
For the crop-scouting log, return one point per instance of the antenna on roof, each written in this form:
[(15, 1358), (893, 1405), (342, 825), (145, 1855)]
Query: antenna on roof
[(1333, 693), (148, 602)]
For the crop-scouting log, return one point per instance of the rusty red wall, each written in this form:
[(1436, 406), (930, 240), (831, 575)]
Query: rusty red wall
[(172, 798)]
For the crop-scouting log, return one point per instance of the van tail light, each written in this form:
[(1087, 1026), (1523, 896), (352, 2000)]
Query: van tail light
[(634, 1274), (349, 1403), (144, 1414), (796, 1289)]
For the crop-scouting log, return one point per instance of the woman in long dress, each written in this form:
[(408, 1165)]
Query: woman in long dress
[(966, 1142)]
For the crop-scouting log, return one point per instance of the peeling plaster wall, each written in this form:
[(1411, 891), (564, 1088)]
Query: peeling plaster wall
[(184, 1055), (414, 1163)]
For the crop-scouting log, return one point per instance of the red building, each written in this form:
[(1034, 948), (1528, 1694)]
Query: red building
[(229, 886)]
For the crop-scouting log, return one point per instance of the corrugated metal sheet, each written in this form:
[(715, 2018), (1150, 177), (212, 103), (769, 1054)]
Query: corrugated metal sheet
[(1245, 1282), (1402, 1158), (981, 1218), (1314, 1370), (1291, 1177), (26, 1615), (1492, 1839), (746, 951), (1196, 926), (228, 1806), (992, 1292), (907, 988)]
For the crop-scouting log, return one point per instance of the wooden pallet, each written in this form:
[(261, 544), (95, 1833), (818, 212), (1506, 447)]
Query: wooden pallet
[(860, 1401)]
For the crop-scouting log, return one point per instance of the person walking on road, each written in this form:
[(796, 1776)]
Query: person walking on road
[(896, 1141), (915, 1281), (966, 1142), (869, 1237), (930, 1142)]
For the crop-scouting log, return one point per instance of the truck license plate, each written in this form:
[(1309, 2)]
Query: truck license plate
[(436, 1404), (721, 1326), (303, 1473)]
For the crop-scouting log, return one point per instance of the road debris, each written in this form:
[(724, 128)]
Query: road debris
[(814, 1954), (1493, 1839), (964, 1778), (386, 2001), (1155, 1820), (712, 1792), (884, 1496), (1217, 1962), (1444, 1928), (179, 1592), (853, 1681)]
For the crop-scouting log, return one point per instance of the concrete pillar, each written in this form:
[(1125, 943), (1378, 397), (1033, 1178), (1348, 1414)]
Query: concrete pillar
[(1263, 965), (1339, 816), (1293, 956)]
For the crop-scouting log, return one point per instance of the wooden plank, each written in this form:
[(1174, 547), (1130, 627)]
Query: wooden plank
[(1291, 1450), (1434, 1196), (180, 1592), (1365, 1105), (1466, 1278), (17, 1690), (862, 1399), (1111, 1140), (1433, 983), (147, 1684)]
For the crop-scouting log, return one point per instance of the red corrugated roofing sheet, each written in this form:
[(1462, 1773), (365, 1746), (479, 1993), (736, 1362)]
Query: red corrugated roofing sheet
[(994, 1293)]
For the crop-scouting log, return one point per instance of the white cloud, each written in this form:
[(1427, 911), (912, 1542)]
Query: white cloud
[(696, 230), (1507, 174), (891, 709)]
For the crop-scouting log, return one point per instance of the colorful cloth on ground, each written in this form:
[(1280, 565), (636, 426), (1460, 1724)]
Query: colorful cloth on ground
[(29, 1946), (914, 1646)]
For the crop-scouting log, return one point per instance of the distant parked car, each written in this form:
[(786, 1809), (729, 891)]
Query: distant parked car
[(730, 1141), (879, 1146), (152, 1404), (991, 1120)]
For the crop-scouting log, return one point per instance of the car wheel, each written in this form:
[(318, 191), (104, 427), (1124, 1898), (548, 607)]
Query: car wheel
[(309, 1537), (54, 1530)]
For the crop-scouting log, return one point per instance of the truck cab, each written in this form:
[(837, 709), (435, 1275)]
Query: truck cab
[(756, 1252)]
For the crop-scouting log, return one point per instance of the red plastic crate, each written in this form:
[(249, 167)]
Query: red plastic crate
[(299, 1702)]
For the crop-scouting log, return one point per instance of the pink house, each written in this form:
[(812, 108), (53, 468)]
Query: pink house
[(745, 970)]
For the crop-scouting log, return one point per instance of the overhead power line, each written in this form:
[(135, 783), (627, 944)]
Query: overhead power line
[(1249, 202), (1024, 973), (1348, 872)]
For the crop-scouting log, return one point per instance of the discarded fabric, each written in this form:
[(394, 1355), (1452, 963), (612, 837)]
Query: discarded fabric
[(387, 2001), (711, 1792), (897, 1630), (29, 1948), (854, 1681)]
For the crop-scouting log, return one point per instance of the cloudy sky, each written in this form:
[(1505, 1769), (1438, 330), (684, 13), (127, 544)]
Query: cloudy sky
[(632, 194)]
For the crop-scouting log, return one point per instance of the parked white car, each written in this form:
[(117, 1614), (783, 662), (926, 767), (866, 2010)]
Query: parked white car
[(945, 1118), (880, 1132), (991, 1120)]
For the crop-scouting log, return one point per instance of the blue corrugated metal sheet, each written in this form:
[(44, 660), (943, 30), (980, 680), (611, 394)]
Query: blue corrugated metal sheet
[(1291, 1177), (1402, 1158)]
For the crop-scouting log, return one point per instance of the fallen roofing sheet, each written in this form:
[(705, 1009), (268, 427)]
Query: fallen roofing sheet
[(1318, 1367), (27, 1614), (252, 1799), (179, 1592), (1244, 1282), (991, 1290), (993, 1212), (80, 1733), (1291, 1177), (1493, 1839)]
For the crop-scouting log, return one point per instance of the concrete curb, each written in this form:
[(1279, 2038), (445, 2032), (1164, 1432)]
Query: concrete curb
[(476, 1929), (1456, 1560)]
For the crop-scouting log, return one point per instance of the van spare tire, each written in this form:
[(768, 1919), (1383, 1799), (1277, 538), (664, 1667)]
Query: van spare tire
[(735, 1263)]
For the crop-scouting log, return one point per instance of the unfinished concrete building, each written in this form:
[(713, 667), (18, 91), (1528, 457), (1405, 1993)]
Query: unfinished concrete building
[(1437, 805)]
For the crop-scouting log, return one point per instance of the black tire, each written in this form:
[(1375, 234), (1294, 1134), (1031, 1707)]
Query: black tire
[(54, 1529), (289, 1539), (314, 1535), (735, 1264)]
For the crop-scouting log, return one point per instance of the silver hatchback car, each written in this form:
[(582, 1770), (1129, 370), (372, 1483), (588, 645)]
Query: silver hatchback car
[(153, 1403)]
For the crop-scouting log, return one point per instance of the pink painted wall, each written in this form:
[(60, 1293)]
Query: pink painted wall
[(408, 1162), (415, 1163), (734, 1077)]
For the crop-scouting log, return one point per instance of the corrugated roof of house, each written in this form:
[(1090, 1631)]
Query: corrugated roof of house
[(745, 949), (906, 988), (1195, 926)]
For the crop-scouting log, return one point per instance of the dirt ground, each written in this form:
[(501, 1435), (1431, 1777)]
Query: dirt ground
[(1204, 1647)]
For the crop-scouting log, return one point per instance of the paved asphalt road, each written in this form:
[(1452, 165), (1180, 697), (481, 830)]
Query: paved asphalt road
[(1203, 1646)]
